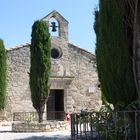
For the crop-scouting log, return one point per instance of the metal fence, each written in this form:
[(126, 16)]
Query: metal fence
[(123, 125), (25, 116), (33, 116)]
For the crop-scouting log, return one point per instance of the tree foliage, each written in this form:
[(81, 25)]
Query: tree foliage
[(40, 66), (2, 74), (113, 54)]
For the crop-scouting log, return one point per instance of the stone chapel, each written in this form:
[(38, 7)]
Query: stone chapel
[(74, 79)]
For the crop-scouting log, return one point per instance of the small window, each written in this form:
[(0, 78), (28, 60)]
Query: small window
[(55, 53)]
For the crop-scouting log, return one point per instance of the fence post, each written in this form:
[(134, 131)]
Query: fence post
[(136, 125)]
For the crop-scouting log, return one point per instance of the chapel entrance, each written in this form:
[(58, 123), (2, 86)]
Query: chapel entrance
[(55, 105)]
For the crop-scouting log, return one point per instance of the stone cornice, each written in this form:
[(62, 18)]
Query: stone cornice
[(62, 77)]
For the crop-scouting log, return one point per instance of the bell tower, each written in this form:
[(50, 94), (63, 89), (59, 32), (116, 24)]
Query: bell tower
[(60, 70), (62, 26)]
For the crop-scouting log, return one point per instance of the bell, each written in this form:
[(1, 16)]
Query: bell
[(53, 26)]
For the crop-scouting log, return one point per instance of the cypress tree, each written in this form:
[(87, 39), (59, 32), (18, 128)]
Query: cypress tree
[(113, 55), (40, 66), (2, 75)]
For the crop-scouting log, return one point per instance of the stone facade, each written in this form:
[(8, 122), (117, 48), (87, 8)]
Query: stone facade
[(73, 72)]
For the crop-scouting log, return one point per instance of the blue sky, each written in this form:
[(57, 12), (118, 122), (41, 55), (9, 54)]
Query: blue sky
[(18, 16)]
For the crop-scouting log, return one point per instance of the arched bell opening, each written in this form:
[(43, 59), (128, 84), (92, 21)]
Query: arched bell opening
[(54, 27), (58, 25)]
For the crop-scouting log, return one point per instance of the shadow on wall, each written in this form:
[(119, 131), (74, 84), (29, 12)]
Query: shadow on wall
[(56, 137)]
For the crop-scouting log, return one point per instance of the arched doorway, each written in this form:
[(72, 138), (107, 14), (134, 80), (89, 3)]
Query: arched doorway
[(55, 105)]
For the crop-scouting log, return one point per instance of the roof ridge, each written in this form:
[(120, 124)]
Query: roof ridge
[(18, 46), (82, 49)]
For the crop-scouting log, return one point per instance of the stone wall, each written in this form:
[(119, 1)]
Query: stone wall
[(40, 127), (75, 73), (83, 91), (18, 91)]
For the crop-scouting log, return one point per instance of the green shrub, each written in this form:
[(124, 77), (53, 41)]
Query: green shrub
[(40, 66), (114, 62), (2, 75)]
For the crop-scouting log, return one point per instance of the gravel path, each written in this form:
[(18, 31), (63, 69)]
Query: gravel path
[(6, 134)]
